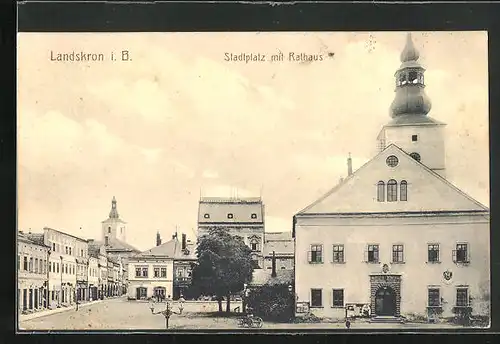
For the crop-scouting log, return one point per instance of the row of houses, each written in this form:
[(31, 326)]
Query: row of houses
[(56, 269)]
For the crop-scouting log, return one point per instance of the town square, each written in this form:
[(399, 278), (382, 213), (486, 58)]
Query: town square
[(193, 193)]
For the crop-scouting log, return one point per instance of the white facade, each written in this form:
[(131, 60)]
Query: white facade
[(62, 266), (32, 269), (149, 275), (93, 279)]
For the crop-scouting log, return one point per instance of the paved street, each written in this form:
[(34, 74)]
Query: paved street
[(117, 314)]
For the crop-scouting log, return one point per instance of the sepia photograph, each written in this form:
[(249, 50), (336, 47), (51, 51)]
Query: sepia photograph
[(253, 180)]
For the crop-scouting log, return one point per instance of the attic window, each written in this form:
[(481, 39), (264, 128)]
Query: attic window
[(254, 216), (207, 216), (392, 161), (229, 216), (415, 156), (414, 138)]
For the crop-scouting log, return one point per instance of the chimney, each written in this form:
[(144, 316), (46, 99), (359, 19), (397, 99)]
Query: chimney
[(106, 240), (349, 165), (273, 273), (183, 241), (158, 239)]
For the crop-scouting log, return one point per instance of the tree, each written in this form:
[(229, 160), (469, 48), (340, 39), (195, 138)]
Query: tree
[(224, 265), (272, 302)]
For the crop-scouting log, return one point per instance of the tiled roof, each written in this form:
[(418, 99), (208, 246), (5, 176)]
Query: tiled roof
[(170, 249), (31, 238), (217, 210), (262, 277), (115, 244), (278, 236), (279, 247)]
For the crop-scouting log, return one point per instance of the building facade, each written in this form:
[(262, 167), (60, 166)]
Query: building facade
[(82, 269), (62, 266), (243, 217), (93, 275), (395, 235), (150, 273), (282, 244), (32, 273), (184, 259)]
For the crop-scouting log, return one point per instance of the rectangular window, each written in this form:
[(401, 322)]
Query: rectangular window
[(433, 253), (316, 298), (25, 263), (137, 272), (18, 262), (144, 272), (316, 254), (461, 254), (372, 254), (81, 253), (434, 298), (157, 272), (69, 251), (66, 249), (163, 272), (57, 267), (36, 266), (31, 265), (338, 253), (338, 298), (53, 247), (40, 266), (462, 297), (50, 266), (414, 138), (397, 254)]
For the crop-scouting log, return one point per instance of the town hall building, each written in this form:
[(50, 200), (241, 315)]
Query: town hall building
[(395, 236)]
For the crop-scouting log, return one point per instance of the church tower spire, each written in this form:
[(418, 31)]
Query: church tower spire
[(410, 128), (410, 99), (113, 214)]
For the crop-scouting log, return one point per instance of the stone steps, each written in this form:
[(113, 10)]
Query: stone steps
[(386, 320)]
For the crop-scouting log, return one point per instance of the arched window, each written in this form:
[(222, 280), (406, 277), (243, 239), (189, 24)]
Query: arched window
[(392, 191), (415, 156), (403, 192), (381, 191)]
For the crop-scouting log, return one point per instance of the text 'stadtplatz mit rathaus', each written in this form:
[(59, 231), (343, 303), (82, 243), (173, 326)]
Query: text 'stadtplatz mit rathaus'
[(393, 240)]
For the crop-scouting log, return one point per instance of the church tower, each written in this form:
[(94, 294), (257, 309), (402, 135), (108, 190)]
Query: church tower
[(411, 129), (114, 228)]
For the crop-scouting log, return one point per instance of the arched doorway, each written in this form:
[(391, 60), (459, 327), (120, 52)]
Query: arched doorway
[(385, 301)]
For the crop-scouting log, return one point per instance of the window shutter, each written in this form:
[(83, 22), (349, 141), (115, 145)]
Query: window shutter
[(454, 256), (366, 256), (468, 253)]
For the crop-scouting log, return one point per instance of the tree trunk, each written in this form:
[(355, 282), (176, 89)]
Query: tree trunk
[(228, 303), (219, 300)]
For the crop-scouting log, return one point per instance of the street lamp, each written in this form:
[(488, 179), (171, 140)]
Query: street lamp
[(167, 312)]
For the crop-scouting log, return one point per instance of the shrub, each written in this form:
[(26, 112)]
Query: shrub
[(272, 302)]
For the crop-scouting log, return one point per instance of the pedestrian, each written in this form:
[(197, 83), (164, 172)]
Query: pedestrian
[(77, 303)]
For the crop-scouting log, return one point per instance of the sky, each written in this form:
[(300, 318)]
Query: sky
[(177, 121)]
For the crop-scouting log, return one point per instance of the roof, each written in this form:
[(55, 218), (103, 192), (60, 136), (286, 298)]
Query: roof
[(279, 247), (215, 210), (278, 236), (70, 235), (31, 238), (118, 245), (261, 277), (412, 119), (170, 249), (432, 193)]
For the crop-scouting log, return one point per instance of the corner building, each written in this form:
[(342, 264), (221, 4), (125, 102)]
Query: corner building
[(395, 236)]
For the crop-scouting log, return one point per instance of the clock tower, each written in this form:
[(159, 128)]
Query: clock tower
[(411, 128), (114, 228)]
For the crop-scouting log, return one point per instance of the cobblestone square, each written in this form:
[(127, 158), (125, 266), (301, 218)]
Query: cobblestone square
[(120, 314)]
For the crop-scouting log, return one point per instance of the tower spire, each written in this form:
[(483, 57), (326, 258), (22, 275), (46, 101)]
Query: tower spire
[(411, 99), (113, 214)]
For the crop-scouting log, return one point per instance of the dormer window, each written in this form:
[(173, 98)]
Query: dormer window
[(206, 216), (253, 216), (229, 216)]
